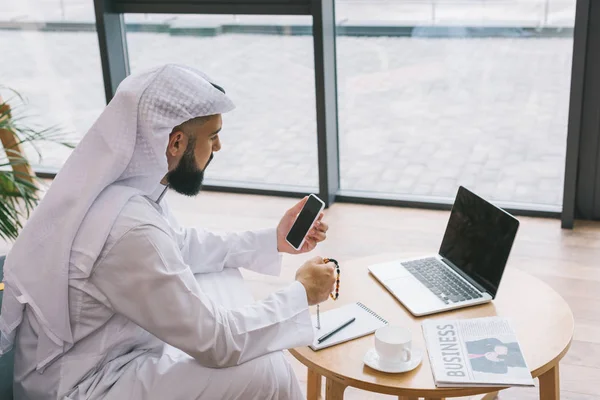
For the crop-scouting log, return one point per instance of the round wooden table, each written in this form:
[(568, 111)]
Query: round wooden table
[(542, 319)]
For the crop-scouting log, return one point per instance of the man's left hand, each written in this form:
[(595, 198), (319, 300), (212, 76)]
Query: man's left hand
[(317, 233)]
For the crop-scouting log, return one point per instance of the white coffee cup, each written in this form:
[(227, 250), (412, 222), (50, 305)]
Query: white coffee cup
[(393, 344)]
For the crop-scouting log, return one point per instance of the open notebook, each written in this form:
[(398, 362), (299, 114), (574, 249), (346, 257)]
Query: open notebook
[(367, 321)]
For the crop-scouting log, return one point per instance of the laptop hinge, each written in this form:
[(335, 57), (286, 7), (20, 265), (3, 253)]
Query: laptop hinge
[(465, 276)]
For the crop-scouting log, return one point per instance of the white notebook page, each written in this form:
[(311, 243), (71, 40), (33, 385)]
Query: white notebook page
[(367, 322)]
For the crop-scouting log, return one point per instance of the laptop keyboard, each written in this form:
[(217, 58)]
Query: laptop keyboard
[(439, 280)]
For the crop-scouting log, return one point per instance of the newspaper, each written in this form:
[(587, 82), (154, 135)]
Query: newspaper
[(475, 352)]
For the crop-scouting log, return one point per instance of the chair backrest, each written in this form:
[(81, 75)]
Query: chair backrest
[(7, 360)]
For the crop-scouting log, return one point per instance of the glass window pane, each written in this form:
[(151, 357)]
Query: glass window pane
[(270, 138), (58, 72), (455, 93)]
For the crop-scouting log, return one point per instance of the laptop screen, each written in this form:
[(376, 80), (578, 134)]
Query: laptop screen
[(478, 239)]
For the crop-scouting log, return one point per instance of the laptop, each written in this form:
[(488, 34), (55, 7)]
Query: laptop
[(468, 267)]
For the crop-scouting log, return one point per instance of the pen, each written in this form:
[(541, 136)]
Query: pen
[(327, 335)]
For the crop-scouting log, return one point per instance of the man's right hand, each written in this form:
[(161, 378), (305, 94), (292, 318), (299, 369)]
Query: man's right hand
[(318, 279)]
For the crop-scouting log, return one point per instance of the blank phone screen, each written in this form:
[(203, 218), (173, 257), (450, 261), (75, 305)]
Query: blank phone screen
[(309, 212)]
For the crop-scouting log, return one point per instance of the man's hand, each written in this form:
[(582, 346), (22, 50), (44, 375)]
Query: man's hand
[(317, 233), (318, 279)]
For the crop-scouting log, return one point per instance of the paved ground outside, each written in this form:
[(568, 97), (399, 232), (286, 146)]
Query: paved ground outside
[(484, 12), (418, 116)]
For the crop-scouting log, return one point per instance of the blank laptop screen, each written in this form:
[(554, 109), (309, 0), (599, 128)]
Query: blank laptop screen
[(478, 239)]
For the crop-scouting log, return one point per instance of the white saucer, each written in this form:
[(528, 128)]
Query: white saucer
[(372, 360)]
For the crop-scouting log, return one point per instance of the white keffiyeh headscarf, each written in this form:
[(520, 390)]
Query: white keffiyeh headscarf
[(122, 155)]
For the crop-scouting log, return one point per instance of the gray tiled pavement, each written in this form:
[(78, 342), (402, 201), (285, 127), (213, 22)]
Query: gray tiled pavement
[(477, 12), (417, 116)]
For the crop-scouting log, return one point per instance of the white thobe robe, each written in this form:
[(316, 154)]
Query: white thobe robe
[(165, 315)]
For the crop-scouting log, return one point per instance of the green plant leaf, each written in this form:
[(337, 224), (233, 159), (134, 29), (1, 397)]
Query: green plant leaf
[(18, 195)]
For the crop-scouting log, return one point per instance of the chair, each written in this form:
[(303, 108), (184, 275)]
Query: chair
[(7, 360)]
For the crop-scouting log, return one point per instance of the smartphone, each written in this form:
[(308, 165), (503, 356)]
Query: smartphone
[(304, 221)]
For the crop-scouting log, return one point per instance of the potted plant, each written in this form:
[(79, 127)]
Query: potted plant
[(19, 188)]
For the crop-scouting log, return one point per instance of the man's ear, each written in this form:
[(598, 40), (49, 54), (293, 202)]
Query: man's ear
[(177, 143)]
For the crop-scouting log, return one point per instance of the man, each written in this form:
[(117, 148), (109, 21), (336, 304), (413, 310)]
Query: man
[(107, 297)]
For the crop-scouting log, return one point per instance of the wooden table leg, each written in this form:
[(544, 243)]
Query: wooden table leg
[(490, 396), (313, 386), (334, 390), (550, 385)]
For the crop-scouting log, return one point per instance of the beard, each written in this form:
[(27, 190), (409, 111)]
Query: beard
[(187, 178)]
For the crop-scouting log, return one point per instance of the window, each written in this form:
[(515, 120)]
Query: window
[(270, 139), (57, 71), (455, 93)]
